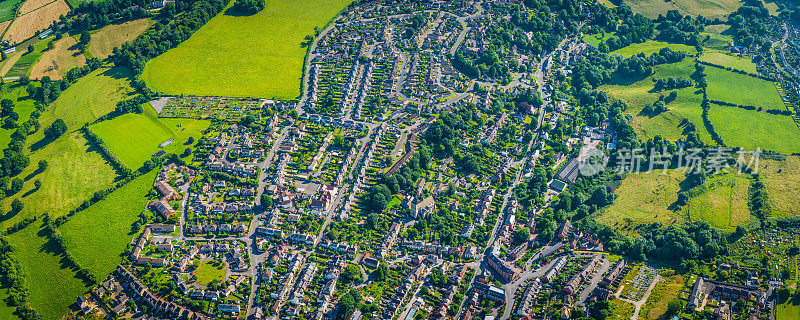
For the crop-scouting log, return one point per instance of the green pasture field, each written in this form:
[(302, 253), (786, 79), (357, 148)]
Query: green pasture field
[(594, 40), (719, 37), (651, 46), (636, 92), (76, 3), (262, 58), (723, 59), (788, 311), (727, 86), (97, 246), (664, 292), (28, 60), (644, 198), (135, 137), (7, 9), (53, 285), (723, 204), (752, 129), (22, 106), (782, 181), (711, 9)]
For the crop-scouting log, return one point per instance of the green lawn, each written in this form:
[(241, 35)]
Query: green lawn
[(7, 9), (28, 60), (724, 203), (727, 60), (98, 235), (53, 287), (650, 46), (594, 40), (644, 198), (724, 85), (636, 92), (752, 129), (708, 8), (788, 311), (254, 56), (135, 137), (209, 271)]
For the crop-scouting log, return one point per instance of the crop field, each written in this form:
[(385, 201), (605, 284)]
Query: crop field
[(56, 62), (664, 292), (209, 108), (112, 36), (135, 137), (752, 129), (7, 10), (782, 181), (650, 46), (97, 246), (723, 59), (53, 286), (644, 198), (727, 86), (724, 202), (670, 124), (35, 15), (27, 60), (267, 44), (708, 8)]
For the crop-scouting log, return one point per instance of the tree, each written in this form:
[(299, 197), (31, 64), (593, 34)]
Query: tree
[(37, 183), (249, 6), (522, 235), (6, 107), (187, 152), (42, 165), (17, 206), (30, 48), (56, 129), (352, 274), (381, 273), (348, 303), (266, 201), (16, 185), (373, 220)]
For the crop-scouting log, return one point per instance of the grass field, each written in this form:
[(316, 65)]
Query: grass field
[(724, 85), (90, 98), (97, 246), (135, 137), (594, 40), (724, 203), (708, 8), (112, 36), (788, 311), (209, 271), (650, 46), (22, 106), (28, 60), (664, 292), (644, 198), (263, 57), (724, 59), (670, 124), (752, 129), (56, 62), (53, 287), (7, 9), (622, 310), (782, 181)]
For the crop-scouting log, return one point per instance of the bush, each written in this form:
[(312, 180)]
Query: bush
[(249, 6), (56, 129)]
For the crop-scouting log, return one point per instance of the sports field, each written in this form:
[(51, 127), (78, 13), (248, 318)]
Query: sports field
[(727, 60), (106, 39), (711, 9), (97, 246), (244, 56), (644, 198), (752, 129), (651, 46), (135, 137), (782, 181), (56, 62), (636, 92), (724, 85), (723, 204)]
